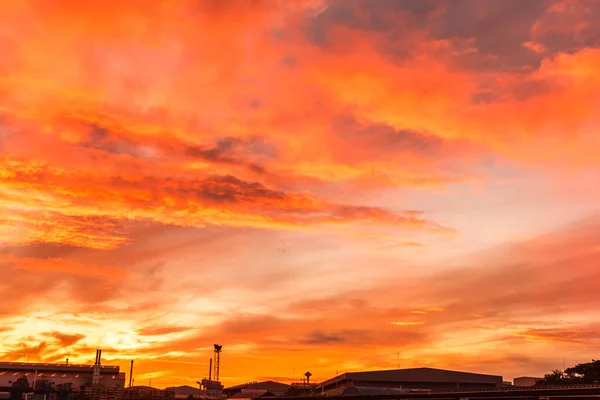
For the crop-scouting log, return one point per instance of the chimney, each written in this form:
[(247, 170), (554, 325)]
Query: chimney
[(210, 370), (67, 361), (96, 373), (131, 374)]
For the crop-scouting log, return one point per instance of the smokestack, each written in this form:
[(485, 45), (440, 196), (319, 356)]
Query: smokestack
[(96, 373), (210, 370), (131, 374), (67, 361)]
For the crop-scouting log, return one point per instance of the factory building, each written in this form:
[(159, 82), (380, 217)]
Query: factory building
[(276, 388), (183, 392), (251, 394), (413, 378), (55, 374), (525, 381)]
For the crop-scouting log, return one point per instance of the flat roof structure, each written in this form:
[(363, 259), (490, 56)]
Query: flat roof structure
[(414, 378), (76, 374), (64, 368)]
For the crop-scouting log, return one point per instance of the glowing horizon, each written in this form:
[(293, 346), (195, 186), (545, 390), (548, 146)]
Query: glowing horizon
[(315, 184)]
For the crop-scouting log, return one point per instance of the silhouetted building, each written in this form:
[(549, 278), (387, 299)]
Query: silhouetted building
[(212, 389), (146, 393), (183, 392), (367, 391), (525, 381), (276, 388), (76, 374), (413, 378), (252, 394), (303, 389)]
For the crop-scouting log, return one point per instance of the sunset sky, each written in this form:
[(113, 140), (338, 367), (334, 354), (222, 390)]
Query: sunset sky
[(314, 184)]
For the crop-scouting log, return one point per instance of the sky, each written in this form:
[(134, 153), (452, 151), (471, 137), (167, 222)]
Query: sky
[(322, 185)]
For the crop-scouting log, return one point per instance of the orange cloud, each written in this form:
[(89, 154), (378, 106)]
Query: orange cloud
[(299, 180), (407, 323), (60, 266)]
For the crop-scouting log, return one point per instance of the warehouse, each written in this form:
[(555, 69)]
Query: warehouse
[(276, 388), (525, 381), (55, 374), (413, 378)]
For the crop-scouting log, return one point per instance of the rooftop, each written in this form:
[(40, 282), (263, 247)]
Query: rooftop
[(43, 375), (416, 375), (64, 368), (258, 385)]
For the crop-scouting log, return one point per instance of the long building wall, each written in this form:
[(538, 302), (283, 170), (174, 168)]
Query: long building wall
[(413, 385), (423, 385), (77, 375), (414, 378)]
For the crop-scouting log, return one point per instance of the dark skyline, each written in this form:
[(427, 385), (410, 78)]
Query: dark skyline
[(320, 185)]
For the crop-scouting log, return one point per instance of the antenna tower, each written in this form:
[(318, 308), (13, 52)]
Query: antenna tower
[(218, 349)]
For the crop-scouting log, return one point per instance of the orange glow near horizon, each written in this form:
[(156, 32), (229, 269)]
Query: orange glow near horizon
[(314, 184)]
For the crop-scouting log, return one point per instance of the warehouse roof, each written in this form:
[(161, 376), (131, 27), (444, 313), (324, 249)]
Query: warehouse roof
[(46, 375), (252, 394), (67, 368), (365, 390), (416, 375), (266, 385)]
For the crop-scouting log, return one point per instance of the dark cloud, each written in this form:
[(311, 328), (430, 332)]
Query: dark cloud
[(231, 189), (499, 30), (321, 337), (226, 189), (216, 189), (66, 339), (101, 138), (569, 27), (218, 154), (362, 335), (232, 150), (247, 152), (375, 138), (374, 16)]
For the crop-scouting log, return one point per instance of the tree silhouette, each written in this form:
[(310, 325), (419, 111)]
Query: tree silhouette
[(64, 390), (586, 373), (21, 383), (18, 387), (42, 385)]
